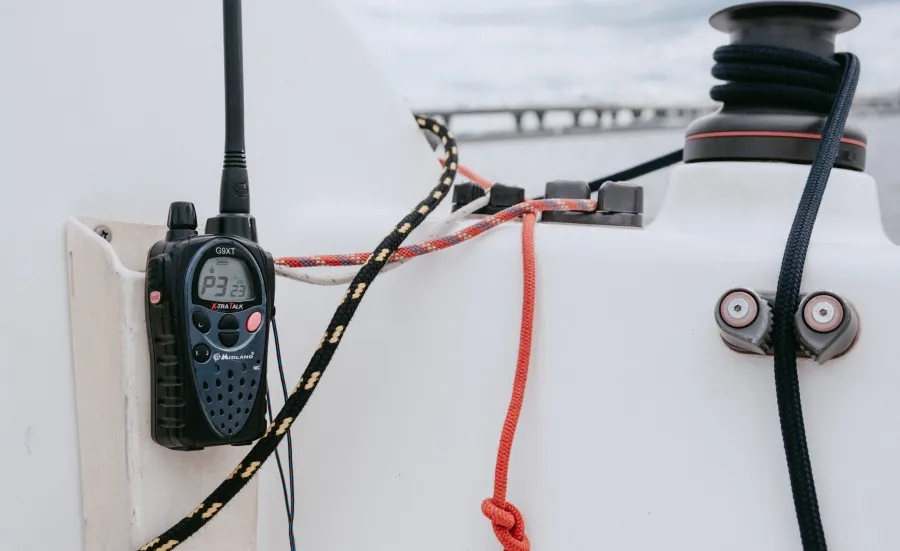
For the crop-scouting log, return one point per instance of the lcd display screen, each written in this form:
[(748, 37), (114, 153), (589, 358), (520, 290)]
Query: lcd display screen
[(224, 278)]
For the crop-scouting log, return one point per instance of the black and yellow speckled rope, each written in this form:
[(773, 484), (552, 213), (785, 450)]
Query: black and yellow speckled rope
[(266, 445)]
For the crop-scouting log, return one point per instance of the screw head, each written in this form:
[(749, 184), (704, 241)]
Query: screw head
[(823, 313), (103, 232), (738, 309)]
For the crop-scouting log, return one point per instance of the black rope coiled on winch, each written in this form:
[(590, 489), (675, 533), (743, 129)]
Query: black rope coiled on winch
[(774, 77), (771, 77)]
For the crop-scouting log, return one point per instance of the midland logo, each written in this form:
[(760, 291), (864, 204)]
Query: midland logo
[(217, 357), (225, 306)]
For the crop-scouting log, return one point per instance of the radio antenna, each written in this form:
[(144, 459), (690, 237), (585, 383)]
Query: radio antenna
[(234, 195)]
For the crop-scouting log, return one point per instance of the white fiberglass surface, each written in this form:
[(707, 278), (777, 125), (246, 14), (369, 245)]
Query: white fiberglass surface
[(640, 428)]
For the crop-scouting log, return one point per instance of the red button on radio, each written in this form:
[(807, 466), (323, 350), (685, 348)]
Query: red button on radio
[(253, 321)]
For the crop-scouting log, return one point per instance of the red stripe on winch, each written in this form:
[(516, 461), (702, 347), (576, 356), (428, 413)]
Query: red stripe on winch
[(768, 134)]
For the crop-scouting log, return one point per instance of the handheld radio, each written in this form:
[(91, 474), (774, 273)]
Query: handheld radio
[(210, 301)]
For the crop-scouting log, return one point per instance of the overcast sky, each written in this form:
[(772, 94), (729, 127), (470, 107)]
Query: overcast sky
[(439, 53)]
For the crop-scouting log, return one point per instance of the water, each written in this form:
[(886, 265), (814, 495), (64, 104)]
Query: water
[(533, 162), (501, 51)]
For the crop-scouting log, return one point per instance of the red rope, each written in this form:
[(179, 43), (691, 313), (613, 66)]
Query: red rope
[(509, 526), (355, 259), (471, 175)]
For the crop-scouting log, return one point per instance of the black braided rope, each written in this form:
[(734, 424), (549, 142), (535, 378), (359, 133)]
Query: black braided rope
[(636, 171), (266, 445), (642, 169), (770, 76), (787, 300)]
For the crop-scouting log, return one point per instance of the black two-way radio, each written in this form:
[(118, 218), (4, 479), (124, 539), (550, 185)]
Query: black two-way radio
[(210, 300)]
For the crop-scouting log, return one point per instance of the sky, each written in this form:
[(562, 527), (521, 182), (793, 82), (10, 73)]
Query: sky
[(488, 52)]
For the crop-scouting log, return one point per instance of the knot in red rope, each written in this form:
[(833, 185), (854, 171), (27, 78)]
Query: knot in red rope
[(509, 526)]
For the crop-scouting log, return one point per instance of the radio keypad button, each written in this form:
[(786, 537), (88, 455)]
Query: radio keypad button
[(229, 339), (228, 322), (201, 322), (201, 353), (254, 321)]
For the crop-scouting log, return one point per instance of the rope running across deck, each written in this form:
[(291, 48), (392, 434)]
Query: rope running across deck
[(439, 243)]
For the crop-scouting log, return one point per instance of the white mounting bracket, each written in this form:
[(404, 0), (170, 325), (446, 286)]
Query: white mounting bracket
[(132, 488)]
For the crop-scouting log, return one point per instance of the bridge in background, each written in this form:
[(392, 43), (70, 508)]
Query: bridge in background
[(566, 119)]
